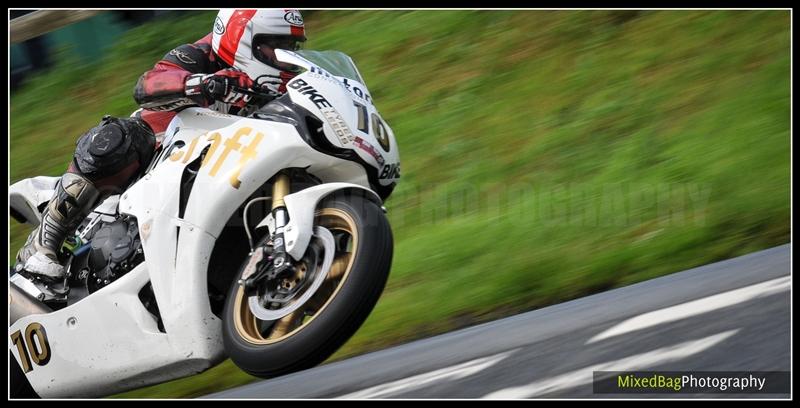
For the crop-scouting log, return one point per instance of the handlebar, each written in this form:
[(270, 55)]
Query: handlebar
[(217, 89)]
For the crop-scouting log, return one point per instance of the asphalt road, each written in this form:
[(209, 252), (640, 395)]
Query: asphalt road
[(728, 316)]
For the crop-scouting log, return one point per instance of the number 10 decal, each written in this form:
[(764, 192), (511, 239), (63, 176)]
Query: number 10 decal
[(377, 125), (40, 354)]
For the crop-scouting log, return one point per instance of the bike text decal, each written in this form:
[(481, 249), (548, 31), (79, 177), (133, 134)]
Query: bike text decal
[(246, 152)]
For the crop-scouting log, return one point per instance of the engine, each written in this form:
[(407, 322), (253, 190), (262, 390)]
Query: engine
[(115, 249)]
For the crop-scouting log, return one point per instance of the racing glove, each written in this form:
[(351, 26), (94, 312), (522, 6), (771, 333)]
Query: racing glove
[(219, 86)]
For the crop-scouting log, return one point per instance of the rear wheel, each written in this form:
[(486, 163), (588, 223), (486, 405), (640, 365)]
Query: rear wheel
[(325, 312)]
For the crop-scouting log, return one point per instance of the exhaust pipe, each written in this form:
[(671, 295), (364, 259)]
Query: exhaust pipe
[(21, 304)]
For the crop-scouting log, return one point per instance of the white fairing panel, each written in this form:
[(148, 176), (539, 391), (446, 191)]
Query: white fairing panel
[(241, 157), (301, 206), (351, 119), (106, 344), (25, 196)]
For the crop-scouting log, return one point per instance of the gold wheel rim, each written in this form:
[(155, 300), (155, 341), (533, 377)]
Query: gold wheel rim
[(249, 327)]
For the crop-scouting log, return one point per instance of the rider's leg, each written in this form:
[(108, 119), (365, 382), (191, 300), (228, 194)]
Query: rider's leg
[(73, 199), (106, 159)]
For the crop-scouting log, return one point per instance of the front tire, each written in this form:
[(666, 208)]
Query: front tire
[(353, 284)]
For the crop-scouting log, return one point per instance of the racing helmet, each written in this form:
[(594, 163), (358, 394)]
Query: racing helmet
[(247, 39)]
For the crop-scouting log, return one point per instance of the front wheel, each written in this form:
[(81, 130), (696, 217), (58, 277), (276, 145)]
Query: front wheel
[(322, 320)]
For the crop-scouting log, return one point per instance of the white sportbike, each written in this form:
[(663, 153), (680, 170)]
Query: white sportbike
[(259, 238)]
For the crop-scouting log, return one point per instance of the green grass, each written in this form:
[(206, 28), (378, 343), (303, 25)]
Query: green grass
[(546, 155)]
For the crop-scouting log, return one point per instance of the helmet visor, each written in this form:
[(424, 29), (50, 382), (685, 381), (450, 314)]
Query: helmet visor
[(264, 47)]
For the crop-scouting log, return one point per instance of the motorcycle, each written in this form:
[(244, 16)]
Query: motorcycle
[(260, 238)]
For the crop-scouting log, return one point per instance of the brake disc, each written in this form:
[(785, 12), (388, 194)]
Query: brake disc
[(329, 247)]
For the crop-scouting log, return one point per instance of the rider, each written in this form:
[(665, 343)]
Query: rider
[(239, 52)]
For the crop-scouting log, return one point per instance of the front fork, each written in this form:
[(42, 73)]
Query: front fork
[(279, 190), (277, 263)]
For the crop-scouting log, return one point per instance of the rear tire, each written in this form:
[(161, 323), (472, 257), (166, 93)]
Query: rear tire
[(334, 313)]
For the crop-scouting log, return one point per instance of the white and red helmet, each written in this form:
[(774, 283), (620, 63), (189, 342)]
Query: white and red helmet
[(246, 39)]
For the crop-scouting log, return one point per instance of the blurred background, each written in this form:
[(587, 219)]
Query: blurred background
[(546, 155)]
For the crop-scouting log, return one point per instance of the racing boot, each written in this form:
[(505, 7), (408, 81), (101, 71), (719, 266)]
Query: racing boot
[(72, 201)]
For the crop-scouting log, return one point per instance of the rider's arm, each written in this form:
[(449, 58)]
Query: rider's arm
[(163, 88)]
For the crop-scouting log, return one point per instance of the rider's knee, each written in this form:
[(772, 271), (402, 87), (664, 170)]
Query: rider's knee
[(113, 152)]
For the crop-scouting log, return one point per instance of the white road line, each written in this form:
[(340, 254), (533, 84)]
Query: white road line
[(637, 362), (450, 373), (695, 307)]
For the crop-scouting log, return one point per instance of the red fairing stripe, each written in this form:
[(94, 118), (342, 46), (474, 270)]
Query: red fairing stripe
[(233, 33)]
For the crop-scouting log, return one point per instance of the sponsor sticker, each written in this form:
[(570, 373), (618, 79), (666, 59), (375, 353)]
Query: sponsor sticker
[(338, 125), (182, 56), (370, 149), (219, 26), (294, 18)]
